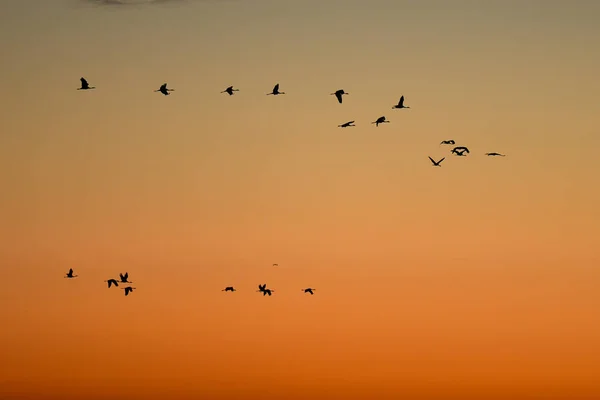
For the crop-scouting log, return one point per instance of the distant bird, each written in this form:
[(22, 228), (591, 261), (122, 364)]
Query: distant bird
[(85, 85), (276, 265), (338, 94), (128, 289), (437, 164), (447, 142), (228, 289), (347, 124), (263, 289), (112, 282), (309, 290), (230, 90), (163, 89), (124, 277), (461, 149), (275, 91), (70, 274), (400, 103), (495, 154), (459, 153), (380, 120)]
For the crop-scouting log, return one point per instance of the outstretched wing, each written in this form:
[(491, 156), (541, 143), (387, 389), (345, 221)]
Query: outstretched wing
[(84, 83), (401, 102), (443, 158), (276, 88), (163, 86), (431, 160), (338, 94)]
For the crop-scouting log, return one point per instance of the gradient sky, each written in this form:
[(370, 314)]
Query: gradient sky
[(474, 280)]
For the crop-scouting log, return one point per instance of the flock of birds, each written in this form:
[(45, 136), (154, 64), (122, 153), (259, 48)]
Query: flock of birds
[(459, 151)]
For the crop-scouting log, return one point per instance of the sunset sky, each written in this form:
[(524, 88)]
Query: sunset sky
[(476, 280)]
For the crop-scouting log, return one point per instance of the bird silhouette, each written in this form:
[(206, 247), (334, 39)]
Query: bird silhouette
[(163, 89), (400, 103), (276, 265), (85, 85), (308, 290), (460, 153), (447, 142), (112, 282), (495, 154), (338, 94), (70, 274), (437, 164), (124, 277), (263, 289), (347, 124), (128, 290), (380, 120), (461, 149), (276, 91), (228, 289), (230, 90)]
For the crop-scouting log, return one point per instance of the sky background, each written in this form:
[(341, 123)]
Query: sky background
[(474, 280)]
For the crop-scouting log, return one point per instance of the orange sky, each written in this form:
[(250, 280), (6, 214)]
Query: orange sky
[(474, 280)]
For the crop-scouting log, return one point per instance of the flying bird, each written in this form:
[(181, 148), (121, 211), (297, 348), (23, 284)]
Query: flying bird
[(495, 154), (276, 265), (230, 90), (112, 282), (460, 153), (85, 85), (447, 142), (70, 274), (309, 290), (275, 91), (163, 89), (124, 277), (461, 149), (347, 124), (263, 289), (228, 289), (338, 94), (400, 103), (437, 164), (128, 289), (380, 120)]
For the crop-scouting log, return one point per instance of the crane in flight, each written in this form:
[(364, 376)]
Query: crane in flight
[(276, 91), (70, 274), (400, 103), (230, 90), (437, 163), (85, 85), (228, 289), (447, 142), (163, 89), (124, 277), (308, 290), (380, 120), (128, 290), (461, 149), (346, 124), (112, 282), (460, 153), (338, 94), (263, 289), (495, 154)]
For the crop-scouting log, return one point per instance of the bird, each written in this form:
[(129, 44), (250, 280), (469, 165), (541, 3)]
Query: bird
[(338, 94), (163, 89), (400, 104), (112, 282), (346, 124), (495, 154), (230, 90), (228, 289), (128, 289), (70, 274), (447, 142), (437, 164), (275, 91), (460, 153), (85, 85), (124, 277), (462, 149), (380, 120), (309, 290), (276, 265), (263, 289)]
